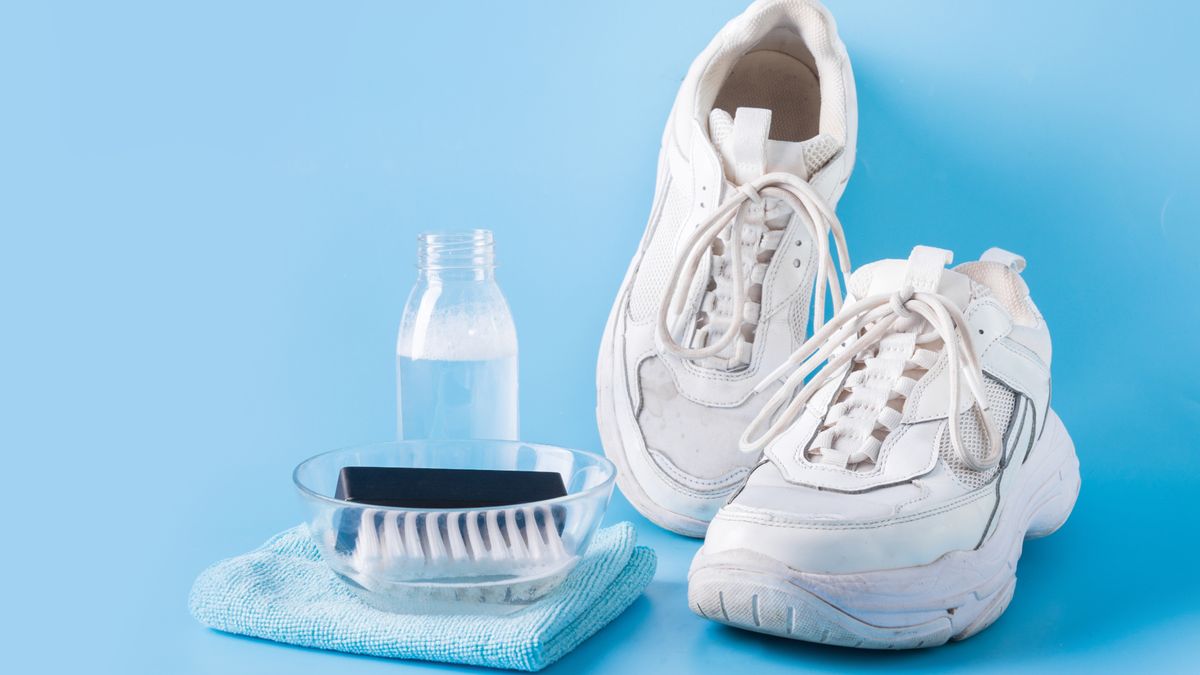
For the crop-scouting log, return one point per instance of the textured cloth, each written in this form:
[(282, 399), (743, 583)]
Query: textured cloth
[(282, 591)]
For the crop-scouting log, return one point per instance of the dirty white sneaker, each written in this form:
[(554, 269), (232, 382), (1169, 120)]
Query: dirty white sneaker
[(757, 150), (903, 475)]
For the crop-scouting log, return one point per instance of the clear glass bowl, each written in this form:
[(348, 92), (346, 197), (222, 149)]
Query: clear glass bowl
[(427, 561)]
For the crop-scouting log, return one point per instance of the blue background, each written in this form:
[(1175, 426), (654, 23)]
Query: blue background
[(208, 215)]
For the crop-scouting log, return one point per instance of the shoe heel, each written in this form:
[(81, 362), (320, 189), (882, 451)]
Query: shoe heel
[(1064, 480)]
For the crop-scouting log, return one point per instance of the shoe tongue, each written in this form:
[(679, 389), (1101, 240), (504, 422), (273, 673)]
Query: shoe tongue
[(747, 152), (924, 271)]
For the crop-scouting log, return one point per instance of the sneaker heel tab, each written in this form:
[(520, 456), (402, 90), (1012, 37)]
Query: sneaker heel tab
[(1009, 259)]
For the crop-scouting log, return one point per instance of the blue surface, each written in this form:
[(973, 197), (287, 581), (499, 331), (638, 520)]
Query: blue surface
[(208, 216)]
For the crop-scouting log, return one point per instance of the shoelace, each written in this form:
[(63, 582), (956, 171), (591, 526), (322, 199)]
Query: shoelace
[(877, 316), (801, 198)]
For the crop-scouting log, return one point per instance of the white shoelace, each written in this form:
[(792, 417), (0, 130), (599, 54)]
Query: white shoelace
[(801, 198), (877, 317)]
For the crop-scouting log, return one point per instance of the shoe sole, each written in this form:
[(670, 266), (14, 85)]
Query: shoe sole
[(606, 394), (952, 598)]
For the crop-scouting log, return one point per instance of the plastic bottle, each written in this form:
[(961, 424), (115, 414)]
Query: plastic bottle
[(456, 353)]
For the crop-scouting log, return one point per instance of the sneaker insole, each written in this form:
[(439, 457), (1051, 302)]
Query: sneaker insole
[(781, 83)]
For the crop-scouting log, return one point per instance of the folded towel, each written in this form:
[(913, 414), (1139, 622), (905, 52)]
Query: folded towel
[(282, 591)]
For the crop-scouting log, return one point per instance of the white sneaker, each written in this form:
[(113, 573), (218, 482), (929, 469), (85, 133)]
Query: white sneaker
[(760, 141), (903, 476)]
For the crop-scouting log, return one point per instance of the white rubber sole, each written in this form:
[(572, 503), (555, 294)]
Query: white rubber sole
[(952, 598)]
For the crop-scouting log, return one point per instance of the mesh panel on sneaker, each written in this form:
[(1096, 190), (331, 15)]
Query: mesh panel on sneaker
[(818, 151), (720, 126), (651, 280), (1001, 402), (1006, 286)]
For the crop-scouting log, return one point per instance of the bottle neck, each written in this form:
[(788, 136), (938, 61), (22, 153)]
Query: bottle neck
[(456, 256)]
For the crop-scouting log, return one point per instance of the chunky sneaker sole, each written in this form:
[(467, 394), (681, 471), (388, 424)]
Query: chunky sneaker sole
[(952, 598)]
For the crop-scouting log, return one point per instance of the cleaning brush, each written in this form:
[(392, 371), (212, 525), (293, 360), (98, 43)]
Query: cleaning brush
[(504, 527), (447, 544)]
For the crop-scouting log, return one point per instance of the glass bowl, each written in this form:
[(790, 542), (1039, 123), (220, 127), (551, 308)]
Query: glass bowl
[(438, 561)]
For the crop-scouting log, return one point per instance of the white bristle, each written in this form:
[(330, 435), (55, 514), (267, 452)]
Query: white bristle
[(412, 538), (474, 538), (497, 551), (458, 547), (435, 543), (391, 530)]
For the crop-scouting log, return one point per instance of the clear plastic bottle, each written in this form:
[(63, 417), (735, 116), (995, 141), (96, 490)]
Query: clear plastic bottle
[(456, 354)]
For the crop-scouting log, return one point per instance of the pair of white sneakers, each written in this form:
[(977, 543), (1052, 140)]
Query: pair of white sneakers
[(865, 479)]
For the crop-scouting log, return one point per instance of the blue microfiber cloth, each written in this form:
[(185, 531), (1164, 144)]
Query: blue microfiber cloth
[(282, 591)]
